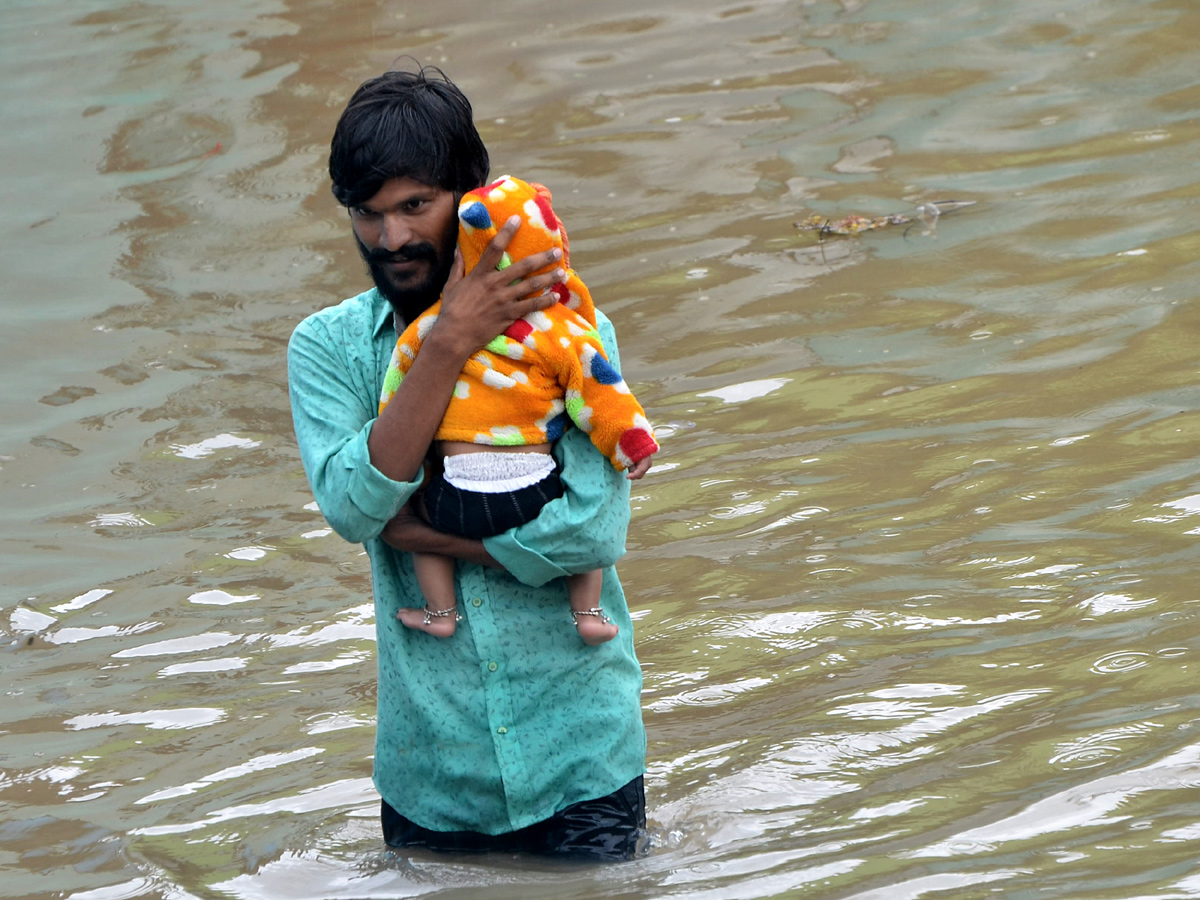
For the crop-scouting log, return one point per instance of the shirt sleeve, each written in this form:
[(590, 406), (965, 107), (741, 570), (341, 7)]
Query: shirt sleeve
[(333, 411), (585, 528)]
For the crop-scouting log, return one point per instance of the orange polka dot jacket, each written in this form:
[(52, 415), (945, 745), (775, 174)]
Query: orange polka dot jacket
[(547, 369)]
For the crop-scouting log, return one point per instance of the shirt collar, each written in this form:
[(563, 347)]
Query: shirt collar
[(383, 313)]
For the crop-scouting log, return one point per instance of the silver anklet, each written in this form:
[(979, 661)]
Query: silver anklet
[(594, 611), (431, 614)]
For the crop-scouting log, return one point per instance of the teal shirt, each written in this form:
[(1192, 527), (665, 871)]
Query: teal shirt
[(513, 718)]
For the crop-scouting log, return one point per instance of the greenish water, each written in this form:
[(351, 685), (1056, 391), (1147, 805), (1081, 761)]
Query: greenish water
[(913, 577)]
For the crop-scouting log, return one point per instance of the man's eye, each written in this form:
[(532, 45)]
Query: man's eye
[(361, 213)]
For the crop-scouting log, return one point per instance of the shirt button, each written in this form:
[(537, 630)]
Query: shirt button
[(492, 667), (501, 730), (476, 601)]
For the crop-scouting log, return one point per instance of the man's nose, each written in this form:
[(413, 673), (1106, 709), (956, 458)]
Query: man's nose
[(394, 233)]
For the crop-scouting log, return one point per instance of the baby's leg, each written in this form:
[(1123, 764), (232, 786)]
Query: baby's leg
[(590, 621), (435, 575)]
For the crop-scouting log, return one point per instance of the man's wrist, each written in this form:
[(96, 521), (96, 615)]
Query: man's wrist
[(447, 342)]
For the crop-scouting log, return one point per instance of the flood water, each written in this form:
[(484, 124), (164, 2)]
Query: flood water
[(914, 575)]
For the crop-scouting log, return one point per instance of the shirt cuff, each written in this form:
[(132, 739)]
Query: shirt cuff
[(370, 491), (523, 563)]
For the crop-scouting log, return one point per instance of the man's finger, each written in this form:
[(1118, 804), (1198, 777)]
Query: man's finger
[(534, 263), (535, 292), (490, 257), (457, 268)]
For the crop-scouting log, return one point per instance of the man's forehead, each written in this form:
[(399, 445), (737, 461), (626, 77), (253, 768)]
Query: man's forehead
[(399, 189)]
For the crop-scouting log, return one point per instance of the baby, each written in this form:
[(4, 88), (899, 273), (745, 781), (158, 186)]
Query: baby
[(514, 398)]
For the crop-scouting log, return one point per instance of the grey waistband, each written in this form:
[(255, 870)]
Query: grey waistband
[(494, 472)]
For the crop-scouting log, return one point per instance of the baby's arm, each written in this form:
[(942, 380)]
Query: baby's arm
[(602, 406)]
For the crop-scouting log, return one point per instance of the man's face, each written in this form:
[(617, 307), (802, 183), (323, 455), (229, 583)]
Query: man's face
[(406, 233)]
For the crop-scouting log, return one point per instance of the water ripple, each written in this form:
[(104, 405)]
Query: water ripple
[(1120, 661)]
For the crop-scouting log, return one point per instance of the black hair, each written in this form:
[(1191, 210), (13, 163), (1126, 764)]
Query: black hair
[(406, 124)]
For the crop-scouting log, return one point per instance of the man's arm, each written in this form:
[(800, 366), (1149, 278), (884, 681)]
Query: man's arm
[(410, 533), (333, 411)]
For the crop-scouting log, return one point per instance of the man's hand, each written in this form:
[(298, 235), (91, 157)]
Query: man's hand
[(479, 306), (639, 468), (408, 532)]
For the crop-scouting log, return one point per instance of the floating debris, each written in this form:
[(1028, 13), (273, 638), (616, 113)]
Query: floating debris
[(926, 213)]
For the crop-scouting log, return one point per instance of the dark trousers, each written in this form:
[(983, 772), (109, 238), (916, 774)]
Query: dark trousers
[(607, 828)]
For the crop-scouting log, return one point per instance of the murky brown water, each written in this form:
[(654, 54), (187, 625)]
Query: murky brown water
[(915, 578)]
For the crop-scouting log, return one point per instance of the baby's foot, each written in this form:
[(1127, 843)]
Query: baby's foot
[(593, 625), (438, 622)]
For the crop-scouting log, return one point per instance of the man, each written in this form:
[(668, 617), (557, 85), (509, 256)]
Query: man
[(511, 735)]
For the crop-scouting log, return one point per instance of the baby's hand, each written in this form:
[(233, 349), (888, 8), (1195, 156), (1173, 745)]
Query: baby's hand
[(639, 468)]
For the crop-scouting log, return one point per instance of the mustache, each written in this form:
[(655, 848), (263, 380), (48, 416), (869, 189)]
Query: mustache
[(407, 253)]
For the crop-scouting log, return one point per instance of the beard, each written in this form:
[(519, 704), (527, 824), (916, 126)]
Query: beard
[(412, 295)]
